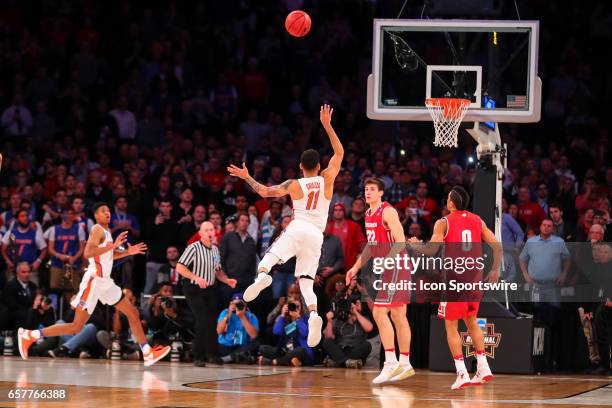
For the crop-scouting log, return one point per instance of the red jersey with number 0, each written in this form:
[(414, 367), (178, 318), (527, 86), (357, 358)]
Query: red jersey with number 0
[(463, 226), (463, 243)]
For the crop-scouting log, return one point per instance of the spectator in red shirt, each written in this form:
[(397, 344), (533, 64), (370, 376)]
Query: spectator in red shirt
[(529, 212), (589, 200), (213, 175), (426, 206), (349, 233), (217, 222), (255, 83)]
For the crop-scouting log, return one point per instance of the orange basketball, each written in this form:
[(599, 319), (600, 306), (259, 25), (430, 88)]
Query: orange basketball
[(297, 23)]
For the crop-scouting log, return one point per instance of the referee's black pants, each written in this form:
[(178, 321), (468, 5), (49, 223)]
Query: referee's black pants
[(203, 304)]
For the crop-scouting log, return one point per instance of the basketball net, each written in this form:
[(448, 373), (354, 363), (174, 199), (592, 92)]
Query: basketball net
[(447, 114)]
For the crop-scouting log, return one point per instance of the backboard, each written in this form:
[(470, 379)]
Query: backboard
[(493, 63)]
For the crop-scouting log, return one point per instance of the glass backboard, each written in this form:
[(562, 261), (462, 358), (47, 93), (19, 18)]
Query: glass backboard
[(493, 63)]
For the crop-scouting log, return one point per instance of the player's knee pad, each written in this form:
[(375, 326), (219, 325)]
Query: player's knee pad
[(268, 261), (306, 287)]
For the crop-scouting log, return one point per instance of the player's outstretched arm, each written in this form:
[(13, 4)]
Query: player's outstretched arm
[(392, 221), (279, 190), (335, 163), (361, 260), (491, 239)]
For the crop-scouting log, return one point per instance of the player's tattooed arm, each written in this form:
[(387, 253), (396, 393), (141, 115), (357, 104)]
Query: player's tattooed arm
[(264, 191), (278, 190)]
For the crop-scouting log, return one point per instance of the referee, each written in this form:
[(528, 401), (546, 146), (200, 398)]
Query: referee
[(200, 265)]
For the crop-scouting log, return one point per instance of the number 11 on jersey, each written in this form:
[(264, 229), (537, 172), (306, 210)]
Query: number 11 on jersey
[(313, 197)]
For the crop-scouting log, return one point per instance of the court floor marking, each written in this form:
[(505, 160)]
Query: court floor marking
[(556, 401)]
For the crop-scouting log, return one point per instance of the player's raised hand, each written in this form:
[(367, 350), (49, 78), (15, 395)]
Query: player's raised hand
[(240, 172), (326, 115), (120, 240), (137, 249)]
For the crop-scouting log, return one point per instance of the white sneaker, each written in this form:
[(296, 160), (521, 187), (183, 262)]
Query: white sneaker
[(315, 324), (463, 380), (262, 281), (405, 372), (389, 371), (483, 374)]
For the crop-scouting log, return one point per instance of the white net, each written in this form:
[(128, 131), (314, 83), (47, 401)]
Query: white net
[(447, 114)]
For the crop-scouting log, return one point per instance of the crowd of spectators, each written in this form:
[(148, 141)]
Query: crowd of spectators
[(142, 105)]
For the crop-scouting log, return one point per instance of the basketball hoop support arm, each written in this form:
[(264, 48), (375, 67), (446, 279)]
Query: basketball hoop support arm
[(491, 152)]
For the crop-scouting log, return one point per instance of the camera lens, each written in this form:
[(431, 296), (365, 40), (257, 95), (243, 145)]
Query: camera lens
[(240, 306), (292, 307)]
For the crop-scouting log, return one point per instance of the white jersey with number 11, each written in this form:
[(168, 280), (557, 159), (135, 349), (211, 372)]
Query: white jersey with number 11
[(313, 207)]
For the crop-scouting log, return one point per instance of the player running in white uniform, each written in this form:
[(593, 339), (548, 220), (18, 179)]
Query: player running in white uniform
[(304, 235), (97, 285)]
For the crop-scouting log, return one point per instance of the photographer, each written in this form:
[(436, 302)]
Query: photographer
[(42, 313), (292, 329), (167, 319), (346, 334), (82, 344), (120, 332), (19, 296), (237, 328)]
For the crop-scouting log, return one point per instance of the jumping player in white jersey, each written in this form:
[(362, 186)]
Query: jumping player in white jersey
[(304, 235), (97, 285)]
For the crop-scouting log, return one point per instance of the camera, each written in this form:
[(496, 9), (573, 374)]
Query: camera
[(341, 308), (240, 305), (44, 301), (166, 302), (292, 307)]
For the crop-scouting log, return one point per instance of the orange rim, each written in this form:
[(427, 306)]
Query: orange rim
[(451, 107)]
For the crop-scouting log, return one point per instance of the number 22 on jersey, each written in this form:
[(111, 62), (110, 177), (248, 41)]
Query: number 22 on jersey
[(313, 197)]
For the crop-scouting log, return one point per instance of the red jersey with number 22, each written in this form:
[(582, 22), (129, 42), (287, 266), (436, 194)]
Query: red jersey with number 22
[(380, 243), (375, 227)]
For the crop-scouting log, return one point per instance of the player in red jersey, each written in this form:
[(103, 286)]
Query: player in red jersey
[(464, 231), (384, 227)]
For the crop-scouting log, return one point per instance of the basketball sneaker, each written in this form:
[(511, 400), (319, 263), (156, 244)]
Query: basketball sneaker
[(25, 341), (483, 374), (353, 363), (155, 354), (262, 281), (405, 372), (315, 323), (389, 371), (463, 380)]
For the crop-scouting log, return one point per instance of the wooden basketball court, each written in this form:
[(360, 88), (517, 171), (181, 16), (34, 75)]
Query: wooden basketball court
[(129, 384)]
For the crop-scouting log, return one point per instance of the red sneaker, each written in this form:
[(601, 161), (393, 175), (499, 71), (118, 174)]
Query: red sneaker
[(156, 354), (25, 340)]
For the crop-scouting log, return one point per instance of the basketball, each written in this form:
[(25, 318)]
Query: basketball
[(298, 23)]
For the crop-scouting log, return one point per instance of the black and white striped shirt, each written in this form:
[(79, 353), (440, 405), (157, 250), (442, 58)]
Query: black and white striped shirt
[(201, 261)]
